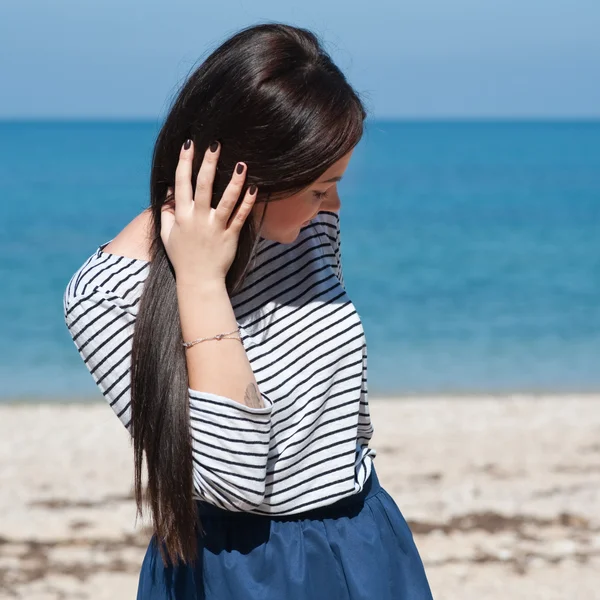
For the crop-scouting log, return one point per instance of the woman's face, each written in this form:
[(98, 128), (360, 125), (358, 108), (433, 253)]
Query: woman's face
[(286, 217)]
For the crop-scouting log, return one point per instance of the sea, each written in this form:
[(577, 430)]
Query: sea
[(471, 250)]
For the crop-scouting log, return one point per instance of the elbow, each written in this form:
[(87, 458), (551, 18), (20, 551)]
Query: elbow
[(248, 503), (231, 490), (235, 498)]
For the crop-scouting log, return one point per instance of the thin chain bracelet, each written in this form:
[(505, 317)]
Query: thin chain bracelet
[(219, 337)]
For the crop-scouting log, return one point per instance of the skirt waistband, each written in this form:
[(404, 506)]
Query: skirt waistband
[(342, 507)]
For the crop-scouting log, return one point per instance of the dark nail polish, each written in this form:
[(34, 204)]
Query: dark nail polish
[(239, 169), (213, 147), (252, 189), (187, 144)]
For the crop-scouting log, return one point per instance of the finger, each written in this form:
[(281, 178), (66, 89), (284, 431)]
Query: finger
[(243, 210), (184, 198), (167, 220), (206, 178), (231, 194)]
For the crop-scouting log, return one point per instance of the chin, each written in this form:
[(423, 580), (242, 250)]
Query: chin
[(290, 236), (284, 237)]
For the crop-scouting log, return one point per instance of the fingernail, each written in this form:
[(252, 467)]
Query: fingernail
[(252, 189), (213, 147), (187, 144), (239, 169)]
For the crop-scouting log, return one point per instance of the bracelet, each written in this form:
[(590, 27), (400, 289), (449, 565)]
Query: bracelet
[(219, 336)]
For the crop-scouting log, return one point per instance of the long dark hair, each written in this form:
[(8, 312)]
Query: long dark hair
[(274, 99)]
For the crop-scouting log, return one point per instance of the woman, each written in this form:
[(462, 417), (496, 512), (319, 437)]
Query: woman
[(217, 326)]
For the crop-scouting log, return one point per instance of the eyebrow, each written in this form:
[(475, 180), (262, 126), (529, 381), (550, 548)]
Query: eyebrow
[(336, 178)]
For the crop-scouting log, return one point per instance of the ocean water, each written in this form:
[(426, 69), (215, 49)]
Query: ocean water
[(470, 249)]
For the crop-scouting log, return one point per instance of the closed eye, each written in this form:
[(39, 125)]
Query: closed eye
[(319, 195)]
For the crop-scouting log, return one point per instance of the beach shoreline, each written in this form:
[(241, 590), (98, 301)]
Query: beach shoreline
[(476, 396), (501, 492)]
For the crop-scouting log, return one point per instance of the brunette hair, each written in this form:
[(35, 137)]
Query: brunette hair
[(273, 98)]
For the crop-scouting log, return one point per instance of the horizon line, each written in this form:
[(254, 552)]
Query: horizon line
[(389, 119)]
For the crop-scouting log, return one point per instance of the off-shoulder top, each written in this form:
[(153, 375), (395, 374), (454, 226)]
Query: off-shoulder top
[(309, 445)]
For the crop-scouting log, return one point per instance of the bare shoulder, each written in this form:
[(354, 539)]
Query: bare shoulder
[(133, 241)]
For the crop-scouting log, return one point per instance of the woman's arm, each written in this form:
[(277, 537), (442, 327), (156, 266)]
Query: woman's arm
[(230, 441), (230, 422), (216, 366), (201, 243)]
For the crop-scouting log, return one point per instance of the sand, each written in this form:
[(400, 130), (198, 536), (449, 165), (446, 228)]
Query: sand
[(502, 494)]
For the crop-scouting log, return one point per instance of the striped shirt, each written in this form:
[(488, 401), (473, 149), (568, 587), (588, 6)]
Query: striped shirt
[(309, 445)]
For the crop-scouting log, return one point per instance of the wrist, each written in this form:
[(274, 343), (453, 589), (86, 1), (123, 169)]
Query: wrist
[(194, 286), (190, 294)]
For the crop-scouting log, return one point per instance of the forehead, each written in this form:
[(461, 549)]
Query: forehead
[(337, 168)]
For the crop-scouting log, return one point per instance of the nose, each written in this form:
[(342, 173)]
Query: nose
[(332, 202)]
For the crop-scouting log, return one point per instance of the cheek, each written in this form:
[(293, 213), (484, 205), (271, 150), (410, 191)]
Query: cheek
[(284, 219), (290, 214)]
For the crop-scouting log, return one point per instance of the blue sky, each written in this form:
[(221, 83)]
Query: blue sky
[(412, 59)]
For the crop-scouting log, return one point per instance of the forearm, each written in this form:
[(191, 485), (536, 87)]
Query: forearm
[(215, 366)]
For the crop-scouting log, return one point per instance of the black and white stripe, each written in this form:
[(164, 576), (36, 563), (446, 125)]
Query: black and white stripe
[(309, 445)]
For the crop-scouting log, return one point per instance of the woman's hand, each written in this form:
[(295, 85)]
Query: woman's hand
[(201, 241)]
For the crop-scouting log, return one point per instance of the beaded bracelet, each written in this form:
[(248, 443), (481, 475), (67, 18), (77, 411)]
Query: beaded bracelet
[(219, 336)]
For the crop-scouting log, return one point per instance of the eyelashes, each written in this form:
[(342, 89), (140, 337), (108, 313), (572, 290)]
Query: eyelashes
[(319, 195)]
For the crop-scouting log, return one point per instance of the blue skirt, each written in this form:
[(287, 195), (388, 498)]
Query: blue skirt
[(359, 548)]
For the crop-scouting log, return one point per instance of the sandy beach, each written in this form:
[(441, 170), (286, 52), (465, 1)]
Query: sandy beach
[(502, 494)]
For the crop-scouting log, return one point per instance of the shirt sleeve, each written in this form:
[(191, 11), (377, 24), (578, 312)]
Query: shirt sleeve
[(230, 441)]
